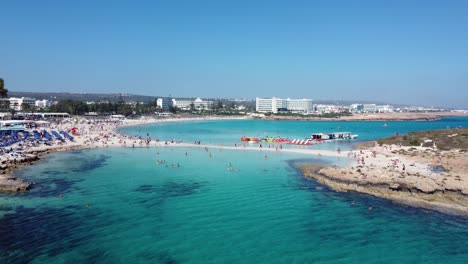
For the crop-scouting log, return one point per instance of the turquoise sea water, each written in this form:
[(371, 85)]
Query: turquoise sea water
[(258, 211)]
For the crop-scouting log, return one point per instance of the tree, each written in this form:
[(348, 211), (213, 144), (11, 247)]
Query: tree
[(173, 109), (3, 91), (5, 103), (220, 105), (26, 107), (13, 109)]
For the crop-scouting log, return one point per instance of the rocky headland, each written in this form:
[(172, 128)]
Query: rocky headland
[(424, 175)]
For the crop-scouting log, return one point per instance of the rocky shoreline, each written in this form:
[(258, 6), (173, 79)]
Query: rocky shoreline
[(10, 183), (420, 177)]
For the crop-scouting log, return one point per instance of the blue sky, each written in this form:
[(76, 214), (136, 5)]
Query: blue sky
[(410, 52)]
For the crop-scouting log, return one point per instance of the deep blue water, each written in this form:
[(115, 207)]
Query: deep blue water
[(260, 211)]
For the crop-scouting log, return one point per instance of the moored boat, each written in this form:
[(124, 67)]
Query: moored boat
[(326, 137), (250, 139), (282, 140), (305, 141)]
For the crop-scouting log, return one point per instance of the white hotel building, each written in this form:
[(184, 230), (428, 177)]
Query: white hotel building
[(198, 104), (273, 105), (17, 103)]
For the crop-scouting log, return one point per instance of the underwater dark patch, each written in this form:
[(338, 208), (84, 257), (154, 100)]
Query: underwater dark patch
[(157, 195), (171, 189), (146, 188), (296, 163), (53, 173), (174, 189), (30, 232), (51, 187), (152, 256), (151, 202), (97, 255), (166, 258), (90, 164)]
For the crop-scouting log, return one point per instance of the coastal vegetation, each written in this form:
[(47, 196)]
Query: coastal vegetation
[(445, 139)]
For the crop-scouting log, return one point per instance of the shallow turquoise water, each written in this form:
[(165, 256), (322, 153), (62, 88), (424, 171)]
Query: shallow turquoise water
[(230, 132), (203, 212)]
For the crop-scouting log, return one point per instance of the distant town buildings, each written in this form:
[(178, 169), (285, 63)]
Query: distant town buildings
[(275, 105), (262, 106), (305, 106)]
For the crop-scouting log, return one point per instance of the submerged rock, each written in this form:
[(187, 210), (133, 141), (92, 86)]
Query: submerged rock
[(12, 184)]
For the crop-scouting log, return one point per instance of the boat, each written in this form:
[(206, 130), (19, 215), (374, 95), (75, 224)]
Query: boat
[(305, 141), (268, 140), (250, 139), (326, 137), (282, 140)]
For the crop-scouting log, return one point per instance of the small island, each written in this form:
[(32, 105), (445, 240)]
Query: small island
[(424, 169)]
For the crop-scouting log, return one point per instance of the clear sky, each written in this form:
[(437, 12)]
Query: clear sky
[(410, 52)]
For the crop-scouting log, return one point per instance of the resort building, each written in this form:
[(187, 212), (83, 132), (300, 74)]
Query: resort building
[(162, 103), (385, 108), (266, 105), (356, 108), (369, 108), (197, 104), (17, 103), (275, 105), (181, 104), (43, 103), (299, 105)]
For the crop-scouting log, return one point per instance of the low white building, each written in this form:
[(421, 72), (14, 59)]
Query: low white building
[(181, 104), (17, 103), (369, 108), (326, 108), (198, 104), (385, 109), (202, 105), (43, 103), (117, 117)]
